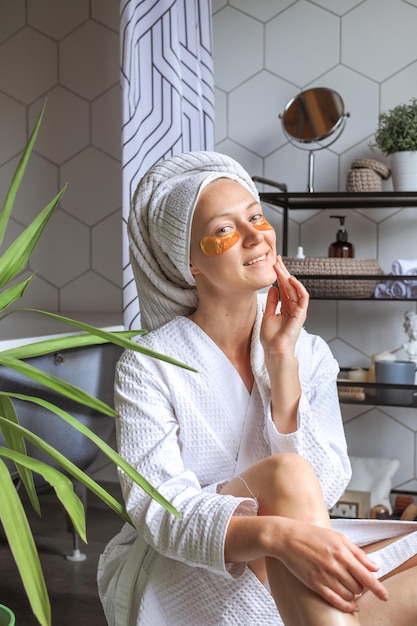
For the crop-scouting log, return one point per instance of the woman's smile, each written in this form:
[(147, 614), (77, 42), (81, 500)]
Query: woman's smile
[(258, 259)]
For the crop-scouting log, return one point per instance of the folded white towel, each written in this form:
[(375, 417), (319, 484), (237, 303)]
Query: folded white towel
[(380, 291), (401, 267), (396, 289), (412, 289), (399, 288)]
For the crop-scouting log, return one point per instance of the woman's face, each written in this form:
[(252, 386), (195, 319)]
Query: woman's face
[(232, 245)]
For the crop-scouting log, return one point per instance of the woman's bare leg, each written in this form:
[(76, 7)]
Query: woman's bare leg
[(286, 485), (401, 608)]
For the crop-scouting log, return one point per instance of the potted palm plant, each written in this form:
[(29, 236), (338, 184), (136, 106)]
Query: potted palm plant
[(396, 137), (12, 513)]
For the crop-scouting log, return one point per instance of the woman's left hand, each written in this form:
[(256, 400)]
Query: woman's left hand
[(280, 330)]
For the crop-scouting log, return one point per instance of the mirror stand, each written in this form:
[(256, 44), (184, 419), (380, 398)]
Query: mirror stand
[(310, 184), (314, 117)]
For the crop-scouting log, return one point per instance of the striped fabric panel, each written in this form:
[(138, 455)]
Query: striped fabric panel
[(167, 94)]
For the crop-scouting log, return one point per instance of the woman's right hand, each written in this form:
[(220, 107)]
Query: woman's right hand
[(280, 330)]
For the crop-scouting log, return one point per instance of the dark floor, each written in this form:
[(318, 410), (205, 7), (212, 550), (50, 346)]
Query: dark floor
[(71, 585)]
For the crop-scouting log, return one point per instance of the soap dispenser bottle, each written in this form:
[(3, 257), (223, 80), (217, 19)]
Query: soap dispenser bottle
[(341, 248)]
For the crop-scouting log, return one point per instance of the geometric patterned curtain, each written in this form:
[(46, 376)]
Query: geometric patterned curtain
[(167, 97)]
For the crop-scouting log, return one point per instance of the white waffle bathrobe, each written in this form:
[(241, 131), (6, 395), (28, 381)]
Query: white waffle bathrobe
[(189, 432)]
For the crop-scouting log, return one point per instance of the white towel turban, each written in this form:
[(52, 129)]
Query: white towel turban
[(159, 228)]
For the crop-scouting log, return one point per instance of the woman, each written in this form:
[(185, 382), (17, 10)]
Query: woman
[(251, 449)]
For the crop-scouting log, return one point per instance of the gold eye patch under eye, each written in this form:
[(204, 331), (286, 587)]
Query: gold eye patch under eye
[(211, 246), (262, 224)]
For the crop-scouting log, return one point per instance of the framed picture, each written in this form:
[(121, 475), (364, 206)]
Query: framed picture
[(352, 504)]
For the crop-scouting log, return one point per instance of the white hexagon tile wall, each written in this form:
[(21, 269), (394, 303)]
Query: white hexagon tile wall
[(67, 53), (350, 46), (265, 52)]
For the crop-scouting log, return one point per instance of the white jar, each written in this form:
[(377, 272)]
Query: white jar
[(385, 355)]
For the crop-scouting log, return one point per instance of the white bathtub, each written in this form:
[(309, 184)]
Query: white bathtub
[(91, 368)]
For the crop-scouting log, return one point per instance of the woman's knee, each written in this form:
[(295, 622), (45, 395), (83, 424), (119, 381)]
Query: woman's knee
[(293, 491), (288, 469), (279, 478), (283, 478)]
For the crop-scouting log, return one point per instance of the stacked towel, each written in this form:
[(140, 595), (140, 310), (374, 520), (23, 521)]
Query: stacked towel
[(400, 289), (402, 267)]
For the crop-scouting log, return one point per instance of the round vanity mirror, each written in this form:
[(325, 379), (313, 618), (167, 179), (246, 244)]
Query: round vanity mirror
[(313, 115), (313, 120)]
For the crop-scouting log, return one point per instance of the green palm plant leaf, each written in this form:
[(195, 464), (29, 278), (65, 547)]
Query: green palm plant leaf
[(19, 534), (11, 294), (114, 338), (56, 344), (61, 386), (70, 467), (17, 178), (14, 260), (20, 538), (15, 441), (61, 484)]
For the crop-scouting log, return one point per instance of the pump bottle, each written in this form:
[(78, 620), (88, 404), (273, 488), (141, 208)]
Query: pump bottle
[(341, 248)]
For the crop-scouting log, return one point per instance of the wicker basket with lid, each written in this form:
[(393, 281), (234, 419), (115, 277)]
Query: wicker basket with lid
[(366, 175)]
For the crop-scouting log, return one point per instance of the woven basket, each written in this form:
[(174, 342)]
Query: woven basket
[(329, 287), (363, 179)]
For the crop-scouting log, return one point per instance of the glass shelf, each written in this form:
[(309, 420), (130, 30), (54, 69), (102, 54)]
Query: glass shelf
[(358, 392)]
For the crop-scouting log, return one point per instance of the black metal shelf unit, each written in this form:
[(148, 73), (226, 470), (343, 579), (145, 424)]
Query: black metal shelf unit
[(289, 201), (350, 392)]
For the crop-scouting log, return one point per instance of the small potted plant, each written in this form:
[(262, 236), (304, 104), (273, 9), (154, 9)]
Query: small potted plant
[(396, 136)]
